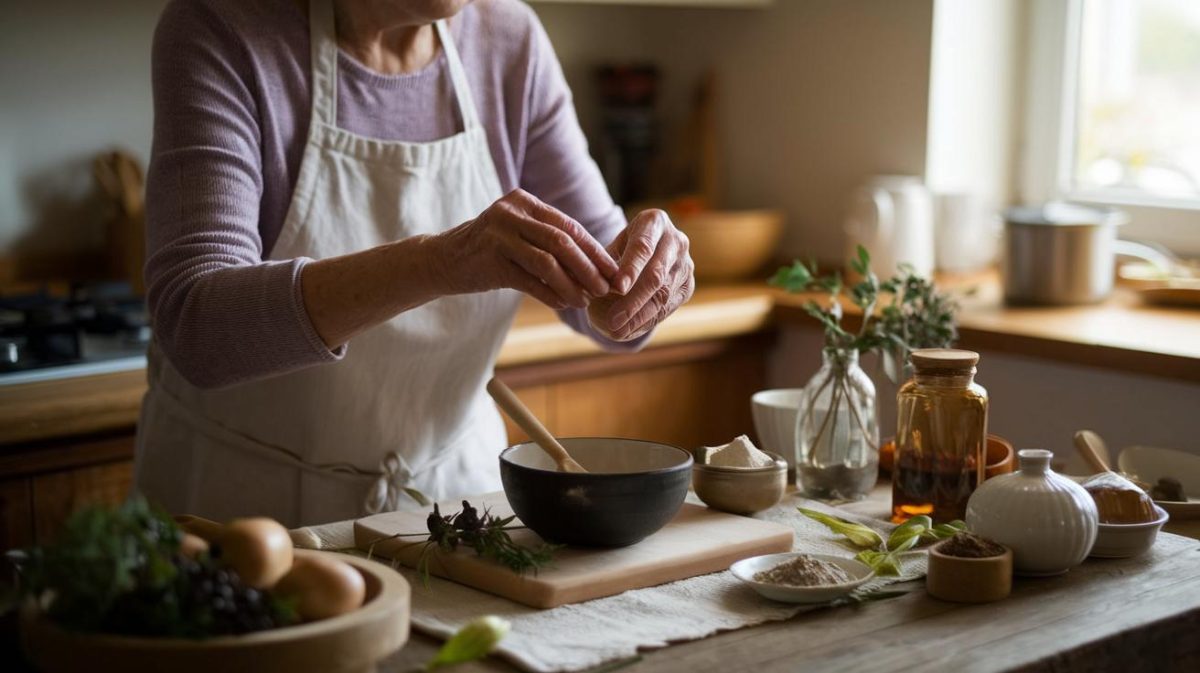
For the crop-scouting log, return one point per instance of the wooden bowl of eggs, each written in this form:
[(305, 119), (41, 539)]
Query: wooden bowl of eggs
[(354, 612)]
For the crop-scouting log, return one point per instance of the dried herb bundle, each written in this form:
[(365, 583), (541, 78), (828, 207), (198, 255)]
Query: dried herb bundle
[(486, 534)]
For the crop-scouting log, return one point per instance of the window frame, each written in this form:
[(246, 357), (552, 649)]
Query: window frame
[(1048, 147)]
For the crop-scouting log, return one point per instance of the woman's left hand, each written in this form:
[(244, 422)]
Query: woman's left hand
[(655, 275)]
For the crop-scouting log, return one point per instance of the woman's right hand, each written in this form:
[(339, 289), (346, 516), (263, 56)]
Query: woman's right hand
[(522, 243)]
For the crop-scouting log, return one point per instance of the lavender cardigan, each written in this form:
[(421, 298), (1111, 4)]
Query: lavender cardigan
[(231, 110)]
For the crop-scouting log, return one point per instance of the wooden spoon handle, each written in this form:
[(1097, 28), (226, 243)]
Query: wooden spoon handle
[(1092, 448), (524, 418)]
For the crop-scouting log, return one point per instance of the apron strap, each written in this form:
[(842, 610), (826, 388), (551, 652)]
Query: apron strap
[(458, 77), (322, 35)]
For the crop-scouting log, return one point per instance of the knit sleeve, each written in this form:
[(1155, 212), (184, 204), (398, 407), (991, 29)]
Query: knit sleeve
[(221, 313)]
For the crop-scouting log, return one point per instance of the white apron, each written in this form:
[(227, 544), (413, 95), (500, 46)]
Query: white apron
[(405, 407)]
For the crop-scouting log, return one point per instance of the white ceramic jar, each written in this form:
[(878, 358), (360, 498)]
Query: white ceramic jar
[(1047, 520)]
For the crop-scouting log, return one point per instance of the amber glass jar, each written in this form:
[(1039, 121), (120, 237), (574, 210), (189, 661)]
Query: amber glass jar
[(941, 438)]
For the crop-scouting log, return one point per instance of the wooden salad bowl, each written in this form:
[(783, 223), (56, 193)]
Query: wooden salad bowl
[(350, 643)]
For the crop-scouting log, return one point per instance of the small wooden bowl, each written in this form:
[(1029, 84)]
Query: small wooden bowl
[(969, 580), (350, 643), (741, 490), (731, 244)]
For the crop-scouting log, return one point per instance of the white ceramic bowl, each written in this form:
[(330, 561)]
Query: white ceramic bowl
[(745, 569), (1124, 540), (775, 414)]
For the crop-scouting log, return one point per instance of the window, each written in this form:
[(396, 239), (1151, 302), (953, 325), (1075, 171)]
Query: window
[(1112, 111)]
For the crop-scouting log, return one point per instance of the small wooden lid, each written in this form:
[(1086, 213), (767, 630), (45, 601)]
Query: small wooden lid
[(944, 359)]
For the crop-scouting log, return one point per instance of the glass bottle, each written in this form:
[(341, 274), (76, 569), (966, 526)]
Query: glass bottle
[(837, 439), (941, 436)]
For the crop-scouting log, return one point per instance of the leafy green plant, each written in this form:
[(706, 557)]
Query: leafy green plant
[(883, 556), (120, 570), (913, 314)]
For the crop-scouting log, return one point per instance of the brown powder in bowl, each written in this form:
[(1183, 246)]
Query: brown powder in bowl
[(803, 571), (966, 545)]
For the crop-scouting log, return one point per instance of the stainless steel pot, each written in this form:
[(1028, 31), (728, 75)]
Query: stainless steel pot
[(1059, 253)]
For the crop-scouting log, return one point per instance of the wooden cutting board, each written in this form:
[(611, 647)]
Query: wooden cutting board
[(697, 541)]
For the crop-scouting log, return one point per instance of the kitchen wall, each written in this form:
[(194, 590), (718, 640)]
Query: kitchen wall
[(814, 95), (76, 81)]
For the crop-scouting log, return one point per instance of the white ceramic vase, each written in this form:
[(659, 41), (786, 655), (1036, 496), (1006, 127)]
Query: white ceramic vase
[(1047, 520)]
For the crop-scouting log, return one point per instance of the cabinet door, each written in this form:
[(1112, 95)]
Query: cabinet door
[(58, 494), (706, 402), (16, 513)]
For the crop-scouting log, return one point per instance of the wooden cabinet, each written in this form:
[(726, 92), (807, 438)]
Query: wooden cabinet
[(58, 494), (42, 484), (687, 395)]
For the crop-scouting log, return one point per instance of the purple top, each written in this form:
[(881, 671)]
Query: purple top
[(232, 99)]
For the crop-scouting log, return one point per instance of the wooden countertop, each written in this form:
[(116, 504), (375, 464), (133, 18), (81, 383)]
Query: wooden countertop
[(1120, 334), (1130, 615), (76, 406)]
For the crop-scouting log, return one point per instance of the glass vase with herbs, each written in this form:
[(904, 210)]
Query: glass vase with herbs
[(837, 435)]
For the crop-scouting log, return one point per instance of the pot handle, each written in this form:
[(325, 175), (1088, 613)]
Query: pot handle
[(1165, 262)]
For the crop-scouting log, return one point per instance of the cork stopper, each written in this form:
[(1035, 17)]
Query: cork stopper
[(944, 360)]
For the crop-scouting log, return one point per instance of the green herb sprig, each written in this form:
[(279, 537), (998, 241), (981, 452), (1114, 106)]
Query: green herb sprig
[(918, 315), (99, 556), (883, 556)]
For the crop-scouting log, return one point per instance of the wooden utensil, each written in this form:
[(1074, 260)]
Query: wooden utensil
[(1093, 450), (523, 417), (697, 541)]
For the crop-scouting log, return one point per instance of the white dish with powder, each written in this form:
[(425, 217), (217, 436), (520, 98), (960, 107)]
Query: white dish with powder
[(745, 570)]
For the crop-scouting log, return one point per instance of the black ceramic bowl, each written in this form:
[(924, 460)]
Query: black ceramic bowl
[(632, 489)]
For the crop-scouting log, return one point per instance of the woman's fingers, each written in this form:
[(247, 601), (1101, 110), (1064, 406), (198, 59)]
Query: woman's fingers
[(545, 267), (601, 261), (655, 278), (663, 303), (567, 251), (645, 231), (522, 281)]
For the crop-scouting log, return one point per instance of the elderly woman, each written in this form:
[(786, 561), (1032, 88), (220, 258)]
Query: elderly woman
[(346, 201)]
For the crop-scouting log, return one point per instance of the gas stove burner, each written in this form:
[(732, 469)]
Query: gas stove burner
[(93, 322)]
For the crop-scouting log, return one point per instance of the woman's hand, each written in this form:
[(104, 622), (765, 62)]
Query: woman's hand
[(655, 276), (521, 243)]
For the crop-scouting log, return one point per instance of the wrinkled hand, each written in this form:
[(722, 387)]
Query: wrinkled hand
[(521, 243), (655, 276)]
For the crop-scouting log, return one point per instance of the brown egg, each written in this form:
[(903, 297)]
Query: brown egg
[(322, 587), (598, 315), (192, 546), (259, 550)]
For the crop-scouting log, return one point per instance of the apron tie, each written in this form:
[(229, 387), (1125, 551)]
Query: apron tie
[(394, 480)]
